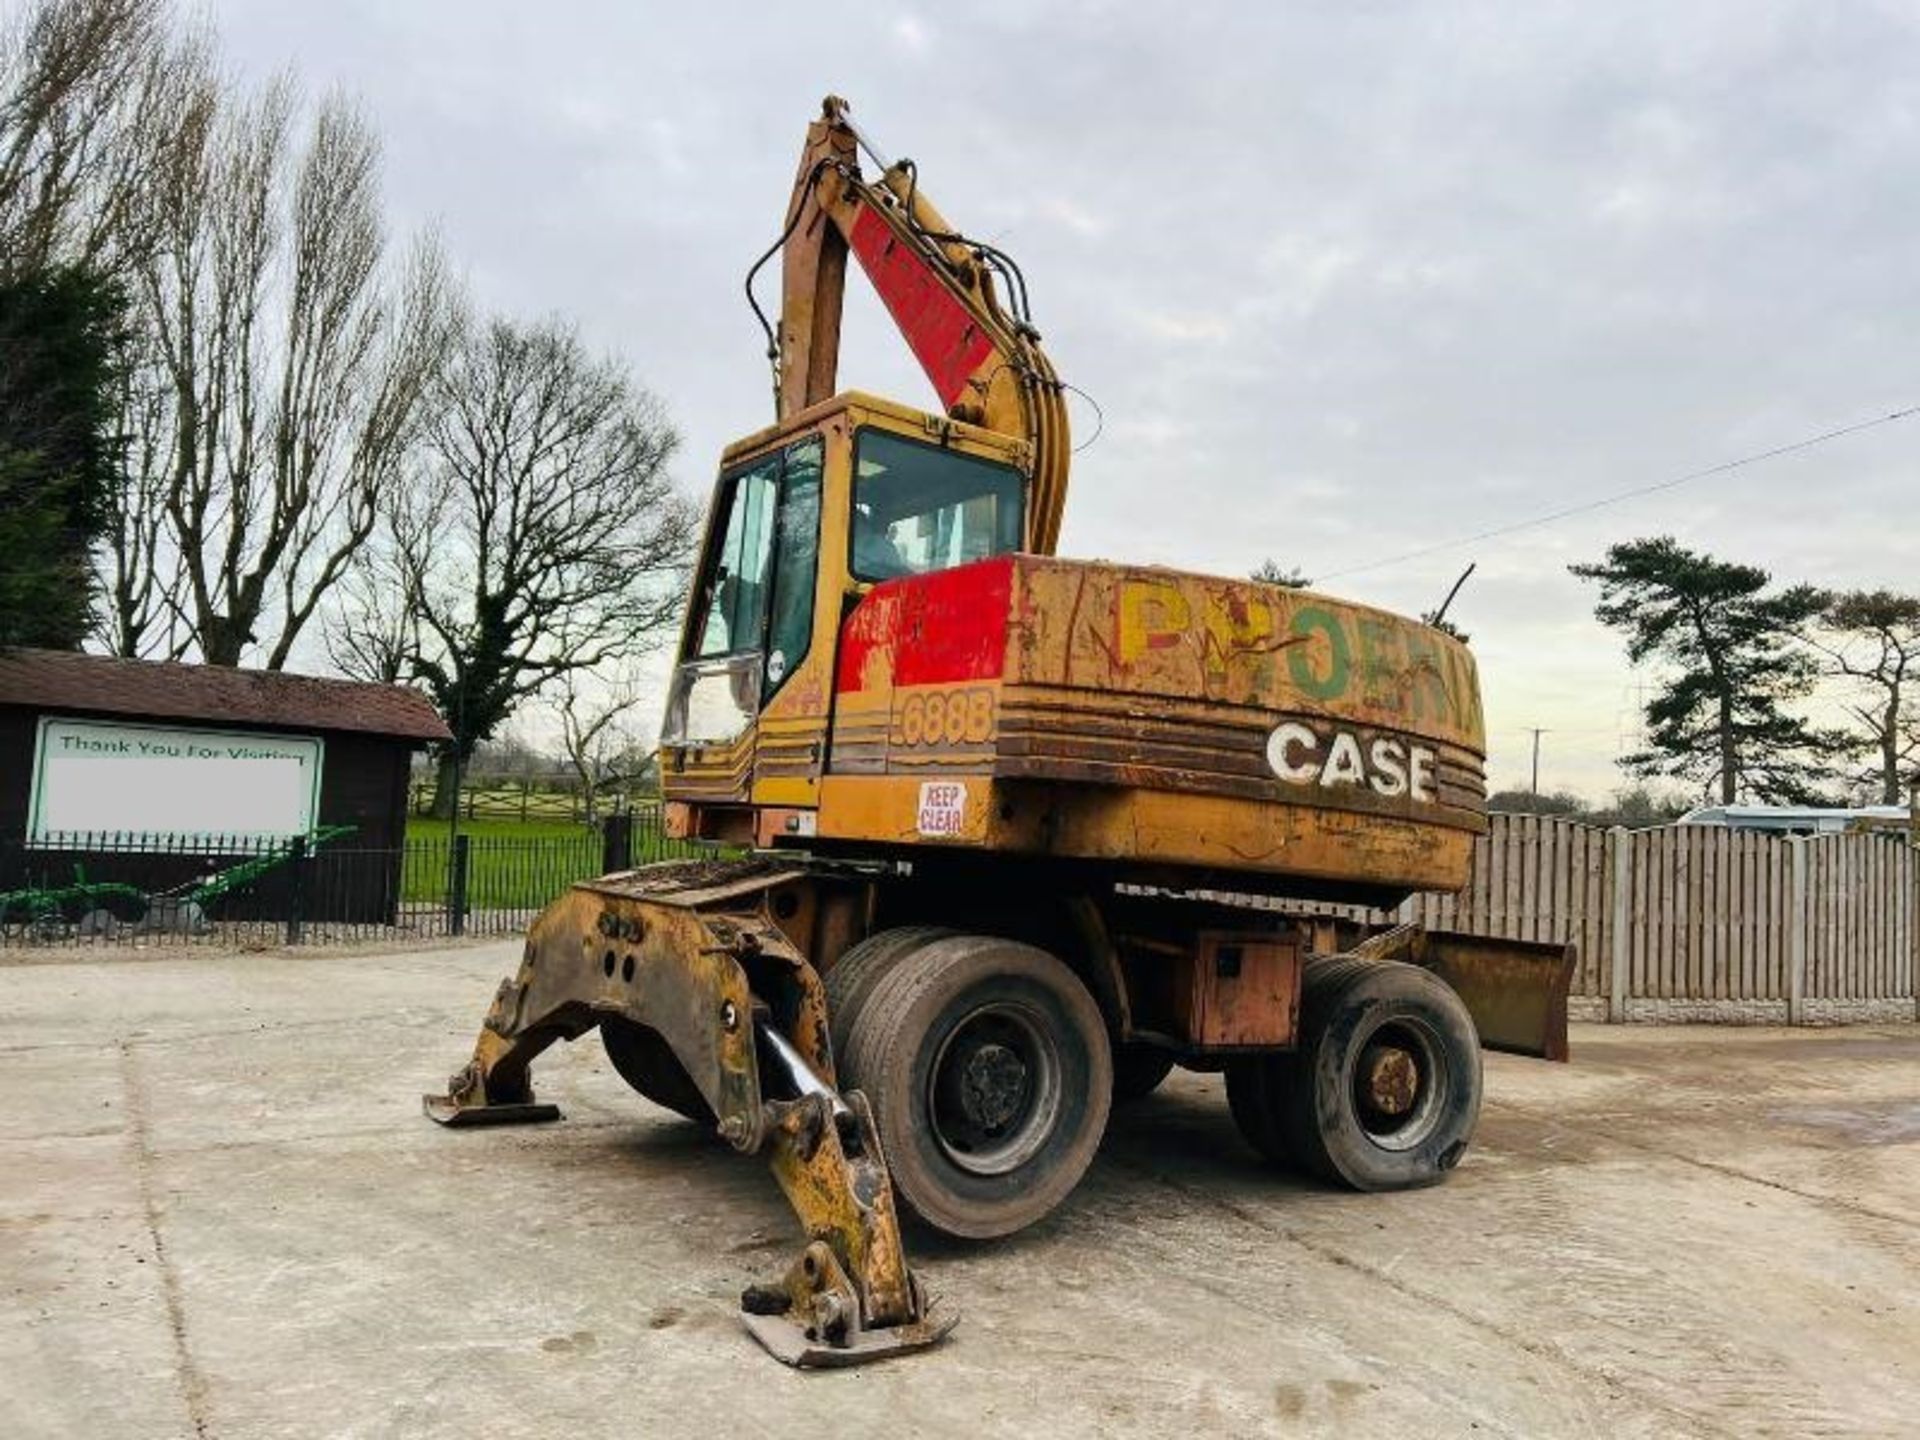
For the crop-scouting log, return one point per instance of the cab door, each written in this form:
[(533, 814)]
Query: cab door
[(749, 628), (796, 688)]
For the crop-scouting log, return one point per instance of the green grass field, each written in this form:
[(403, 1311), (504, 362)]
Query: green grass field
[(514, 864), (421, 827)]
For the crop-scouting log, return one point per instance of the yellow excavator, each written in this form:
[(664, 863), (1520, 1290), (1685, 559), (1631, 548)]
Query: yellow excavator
[(1000, 837)]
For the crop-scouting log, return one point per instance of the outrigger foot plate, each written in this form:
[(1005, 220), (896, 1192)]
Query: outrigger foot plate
[(468, 1102), (444, 1110), (811, 1318), (786, 1340)]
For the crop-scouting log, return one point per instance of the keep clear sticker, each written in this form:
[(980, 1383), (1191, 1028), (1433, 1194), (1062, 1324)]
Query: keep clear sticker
[(943, 807)]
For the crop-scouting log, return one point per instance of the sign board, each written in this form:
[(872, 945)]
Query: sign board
[(943, 808), (105, 775)]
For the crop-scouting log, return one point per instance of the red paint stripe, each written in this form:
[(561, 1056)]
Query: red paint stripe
[(942, 335), (937, 629)]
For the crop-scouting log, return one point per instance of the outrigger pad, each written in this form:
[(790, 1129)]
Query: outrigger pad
[(445, 1110), (786, 1340)]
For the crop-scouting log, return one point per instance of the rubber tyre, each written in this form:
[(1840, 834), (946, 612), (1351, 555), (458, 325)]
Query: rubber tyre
[(1257, 1091), (852, 977), (1138, 1070), (648, 1064), (1313, 1096), (904, 1030), (1262, 1089)]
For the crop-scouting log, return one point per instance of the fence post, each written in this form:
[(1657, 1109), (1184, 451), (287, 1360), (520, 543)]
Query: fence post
[(296, 889), (457, 888), (616, 842), (1620, 920), (1913, 893), (1798, 916)]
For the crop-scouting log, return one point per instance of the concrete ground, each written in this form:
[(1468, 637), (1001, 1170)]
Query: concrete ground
[(221, 1214)]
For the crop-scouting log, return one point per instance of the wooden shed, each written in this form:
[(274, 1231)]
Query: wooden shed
[(153, 752)]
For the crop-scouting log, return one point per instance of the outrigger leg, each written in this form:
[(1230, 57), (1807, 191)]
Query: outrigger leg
[(694, 953)]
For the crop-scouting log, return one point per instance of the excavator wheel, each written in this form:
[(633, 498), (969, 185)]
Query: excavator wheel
[(1384, 1088), (1262, 1090), (1138, 1070), (647, 1064), (851, 978), (988, 1068), (1259, 1089)]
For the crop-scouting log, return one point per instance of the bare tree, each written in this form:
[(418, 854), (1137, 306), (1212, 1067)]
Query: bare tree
[(373, 631), (278, 352), (96, 96), (545, 538), (295, 360), (1872, 638), (596, 730)]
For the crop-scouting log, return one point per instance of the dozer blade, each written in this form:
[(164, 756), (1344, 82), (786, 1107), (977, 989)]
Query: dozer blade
[(693, 951), (1516, 990)]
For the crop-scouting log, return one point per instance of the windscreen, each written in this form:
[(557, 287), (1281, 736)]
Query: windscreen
[(919, 508), (736, 590)]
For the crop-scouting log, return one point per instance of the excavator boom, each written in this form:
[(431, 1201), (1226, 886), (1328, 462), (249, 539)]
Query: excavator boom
[(984, 363)]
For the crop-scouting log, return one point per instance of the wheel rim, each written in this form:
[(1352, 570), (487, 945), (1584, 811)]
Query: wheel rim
[(993, 1092), (1399, 1082)]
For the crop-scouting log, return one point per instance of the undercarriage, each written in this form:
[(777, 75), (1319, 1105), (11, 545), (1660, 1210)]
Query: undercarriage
[(897, 1043)]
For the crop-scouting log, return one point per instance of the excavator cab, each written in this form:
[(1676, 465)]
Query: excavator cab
[(806, 519)]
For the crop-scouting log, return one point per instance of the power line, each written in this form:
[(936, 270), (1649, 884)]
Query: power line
[(1633, 494)]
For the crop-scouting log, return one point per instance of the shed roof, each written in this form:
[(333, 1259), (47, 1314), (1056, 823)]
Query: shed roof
[(170, 690)]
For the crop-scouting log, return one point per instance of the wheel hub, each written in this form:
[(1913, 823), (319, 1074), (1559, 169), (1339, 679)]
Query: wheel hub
[(1391, 1076), (993, 1085), (994, 1088), (1400, 1082)]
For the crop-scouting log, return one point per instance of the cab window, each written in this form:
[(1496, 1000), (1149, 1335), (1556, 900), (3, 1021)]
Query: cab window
[(736, 589), (919, 508), (759, 593), (796, 556)]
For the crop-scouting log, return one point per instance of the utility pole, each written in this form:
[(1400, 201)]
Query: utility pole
[(1537, 732)]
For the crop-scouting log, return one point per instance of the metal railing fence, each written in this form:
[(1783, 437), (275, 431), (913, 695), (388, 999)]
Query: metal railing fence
[(93, 888)]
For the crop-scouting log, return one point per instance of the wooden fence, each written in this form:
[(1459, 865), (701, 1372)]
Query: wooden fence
[(556, 801), (1692, 920)]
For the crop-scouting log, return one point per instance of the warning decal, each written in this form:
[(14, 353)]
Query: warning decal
[(943, 807)]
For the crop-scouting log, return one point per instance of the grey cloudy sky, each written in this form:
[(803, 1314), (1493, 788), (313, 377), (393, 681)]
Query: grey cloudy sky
[(1347, 280)]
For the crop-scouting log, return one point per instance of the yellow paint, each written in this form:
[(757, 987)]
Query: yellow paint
[(942, 717), (1138, 702), (887, 808), (1154, 614)]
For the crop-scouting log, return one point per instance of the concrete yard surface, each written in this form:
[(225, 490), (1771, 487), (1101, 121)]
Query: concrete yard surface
[(222, 1215)]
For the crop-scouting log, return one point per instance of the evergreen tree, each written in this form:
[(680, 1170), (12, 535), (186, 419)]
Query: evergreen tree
[(60, 333), (1721, 720)]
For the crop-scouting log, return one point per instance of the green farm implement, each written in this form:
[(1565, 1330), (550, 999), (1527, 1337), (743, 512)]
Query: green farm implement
[(49, 910)]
